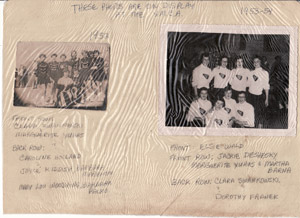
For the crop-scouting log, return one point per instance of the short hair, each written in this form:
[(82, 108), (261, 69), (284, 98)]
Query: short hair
[(84, 52), (73, 51), (63, 55), (239, 57), (97, 51), (242, 92), (54, 55), (257, 57), (203, 89), (221, 58), (205, 54), (42, 55), (227, 89), (219, 99)]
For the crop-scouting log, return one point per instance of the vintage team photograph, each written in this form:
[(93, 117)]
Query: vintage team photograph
[(62, 75), (223, 80)]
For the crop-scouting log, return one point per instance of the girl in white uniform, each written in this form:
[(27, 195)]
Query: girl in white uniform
[(201, 75), (198, 109), (244, 113), (259, 82), (230, 104), (239, 78), (221, 76), (218, 116)]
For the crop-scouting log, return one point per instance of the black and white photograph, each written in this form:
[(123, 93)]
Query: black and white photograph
[(62, 75), (228, 80)]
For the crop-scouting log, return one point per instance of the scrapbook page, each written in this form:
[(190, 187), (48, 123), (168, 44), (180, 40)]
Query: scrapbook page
[(151, 108)]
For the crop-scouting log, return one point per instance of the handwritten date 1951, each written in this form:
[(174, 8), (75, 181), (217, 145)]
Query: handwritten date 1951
[(97, 35)]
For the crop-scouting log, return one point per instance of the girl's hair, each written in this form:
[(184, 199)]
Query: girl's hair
[(219, 99)]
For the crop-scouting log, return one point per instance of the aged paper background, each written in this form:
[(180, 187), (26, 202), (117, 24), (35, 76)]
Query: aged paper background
[(135, 174)]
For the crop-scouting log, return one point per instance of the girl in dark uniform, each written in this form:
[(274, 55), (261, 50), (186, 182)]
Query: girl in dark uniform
[(97, 67), (84, 66), (55, 74), (63, 64), (42, 73), (73, 63)]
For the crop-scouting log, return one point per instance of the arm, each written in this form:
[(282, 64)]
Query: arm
[(232, 74), (267, 98), (191, 114), (248, 83), (194, 82), (195, 90), (250, 120), (267, 88), (212, 77)]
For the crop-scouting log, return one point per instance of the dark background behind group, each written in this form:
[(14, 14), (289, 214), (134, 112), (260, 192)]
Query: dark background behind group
[(184, 55)]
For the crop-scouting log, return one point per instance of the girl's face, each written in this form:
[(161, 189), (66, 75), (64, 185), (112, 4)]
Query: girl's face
[(74, 54), (205, 61), (228, 94), (224, 62), (63, 58), (219, 104), (203, 95), (239, 63), (256, 63), (84, 54)]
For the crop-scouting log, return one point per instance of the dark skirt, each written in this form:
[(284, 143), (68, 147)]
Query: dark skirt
[(43, 79)]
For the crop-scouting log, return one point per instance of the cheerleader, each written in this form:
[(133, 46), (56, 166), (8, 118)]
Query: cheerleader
[(239, 78), (54, 74), (84, 66), (73, 63), (76, 89), (97, 68), (230, 104), (63, 64), (244, 113), (64, 85), (90, 89), (201, 75), (42, 73), (198, 109), (259, 82), (221, 76), (218, 117)]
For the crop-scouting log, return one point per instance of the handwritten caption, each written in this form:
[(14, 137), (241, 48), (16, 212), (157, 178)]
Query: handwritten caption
[(136, 10), (233, 159), (42, 158)]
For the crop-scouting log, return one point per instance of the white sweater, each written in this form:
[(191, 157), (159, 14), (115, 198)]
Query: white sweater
[(198, 108), (218, 119), (258, 81), (245, 112), (230, 107), (221, 77), (239, 79), (201, 77)]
